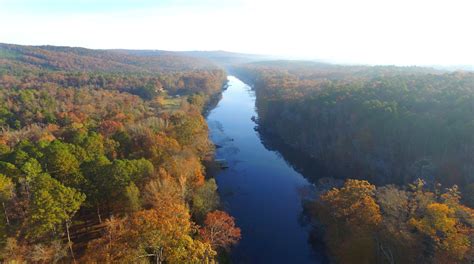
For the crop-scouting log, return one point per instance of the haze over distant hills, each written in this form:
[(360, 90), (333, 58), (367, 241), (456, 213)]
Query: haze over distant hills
[(118, 60), (129, 60), (223, 58)]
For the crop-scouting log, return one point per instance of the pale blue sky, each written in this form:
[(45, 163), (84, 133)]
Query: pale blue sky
[(403, 32), (93, 6)]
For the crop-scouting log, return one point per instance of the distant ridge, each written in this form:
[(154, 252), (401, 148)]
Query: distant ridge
[(220, 57), (62, 58)]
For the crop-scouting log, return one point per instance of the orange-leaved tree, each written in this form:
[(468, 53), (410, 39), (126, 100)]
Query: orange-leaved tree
[(220, 230)]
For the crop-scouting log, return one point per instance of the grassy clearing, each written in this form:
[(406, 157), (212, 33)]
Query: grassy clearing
[(171, 104)]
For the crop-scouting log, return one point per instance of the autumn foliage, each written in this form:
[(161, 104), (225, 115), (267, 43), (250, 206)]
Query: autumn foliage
[(386, 124), (101, 156), (220, 230), (365, 224)]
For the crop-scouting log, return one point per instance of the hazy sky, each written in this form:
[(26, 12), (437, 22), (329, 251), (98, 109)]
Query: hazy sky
[(350, 31)]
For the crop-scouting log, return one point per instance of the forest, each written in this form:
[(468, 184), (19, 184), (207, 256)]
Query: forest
[(102, 158), (383, 124), (400, 137), (362, 223)]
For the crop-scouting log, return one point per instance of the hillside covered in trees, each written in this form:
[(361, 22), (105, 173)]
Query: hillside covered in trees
[(385, 125), (122, 70), (101, 158)]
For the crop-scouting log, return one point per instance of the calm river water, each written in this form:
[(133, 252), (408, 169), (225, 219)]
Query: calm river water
[(259, 188)]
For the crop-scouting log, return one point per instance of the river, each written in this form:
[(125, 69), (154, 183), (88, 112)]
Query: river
[(259, 188)]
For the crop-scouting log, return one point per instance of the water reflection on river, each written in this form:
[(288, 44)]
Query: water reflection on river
[(259, 189)]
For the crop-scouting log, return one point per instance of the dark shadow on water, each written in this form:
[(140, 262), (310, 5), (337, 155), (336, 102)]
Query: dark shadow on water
[(310, 168)]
